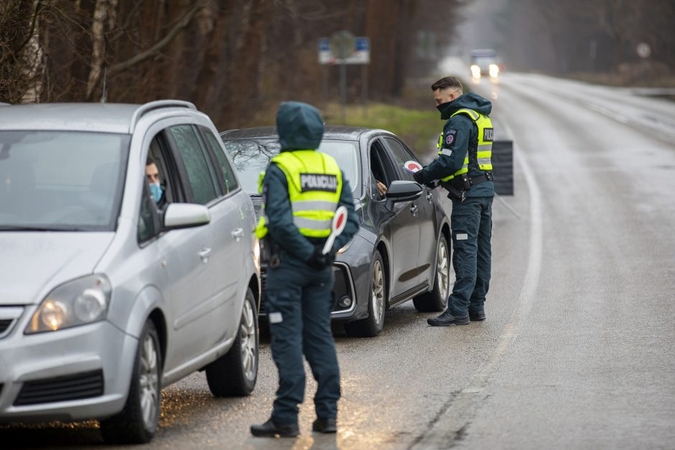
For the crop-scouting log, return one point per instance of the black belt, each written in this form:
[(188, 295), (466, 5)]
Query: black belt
[(487, 176), (458, 181)]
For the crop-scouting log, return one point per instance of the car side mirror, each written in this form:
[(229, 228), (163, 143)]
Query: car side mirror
[(185, 215), (403, 191)]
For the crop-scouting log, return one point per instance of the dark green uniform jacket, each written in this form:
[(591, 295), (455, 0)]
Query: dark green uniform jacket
[(301, 131), (460, 133)]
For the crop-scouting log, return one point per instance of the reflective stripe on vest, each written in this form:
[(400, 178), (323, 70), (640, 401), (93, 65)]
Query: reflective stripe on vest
[(484, 148), (314, 186)]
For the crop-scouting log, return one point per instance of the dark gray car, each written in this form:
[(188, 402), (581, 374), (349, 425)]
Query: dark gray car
[(401, 251)]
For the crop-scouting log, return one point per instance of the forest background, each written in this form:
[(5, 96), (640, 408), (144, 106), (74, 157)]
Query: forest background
[(236, 59)]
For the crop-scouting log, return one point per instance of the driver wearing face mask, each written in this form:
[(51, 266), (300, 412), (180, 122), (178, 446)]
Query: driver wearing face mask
[(152, 174)]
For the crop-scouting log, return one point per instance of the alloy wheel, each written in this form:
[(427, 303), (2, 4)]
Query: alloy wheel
[(247, 333), (378, 290), (149, 381)]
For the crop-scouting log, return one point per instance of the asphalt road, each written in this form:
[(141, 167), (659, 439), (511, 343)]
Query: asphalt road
[(577, 351)]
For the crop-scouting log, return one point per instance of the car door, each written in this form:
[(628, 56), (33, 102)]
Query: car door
[(232, 227), (183, 253), (401, 226), (224, 254), (424, 212)]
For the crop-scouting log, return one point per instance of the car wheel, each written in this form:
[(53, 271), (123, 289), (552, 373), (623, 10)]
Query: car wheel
[(437, 299), (235, 373), (138, 421), (377, 303)]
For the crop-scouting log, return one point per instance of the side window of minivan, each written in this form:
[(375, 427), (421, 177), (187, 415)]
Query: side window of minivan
[(201, 174), (225, 167)]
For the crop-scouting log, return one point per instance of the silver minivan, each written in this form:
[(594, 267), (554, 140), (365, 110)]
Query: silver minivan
[(115, 282)]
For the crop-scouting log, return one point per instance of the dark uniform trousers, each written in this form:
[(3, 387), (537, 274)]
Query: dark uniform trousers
[(471, 223), (303, 296)]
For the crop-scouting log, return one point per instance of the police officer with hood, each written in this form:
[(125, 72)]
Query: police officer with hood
[(464, 168), (301, 190)]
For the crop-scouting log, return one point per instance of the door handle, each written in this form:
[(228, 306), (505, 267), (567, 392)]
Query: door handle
[(204, 254), (413, 209), (238, 234), (430, 195)]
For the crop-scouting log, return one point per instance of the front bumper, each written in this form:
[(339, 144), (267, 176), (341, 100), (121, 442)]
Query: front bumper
[(344, 292), (74, 374)]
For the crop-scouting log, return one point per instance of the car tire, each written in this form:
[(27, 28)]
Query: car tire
[(139, 420), (437, 299), (235, 373), (377, 303)]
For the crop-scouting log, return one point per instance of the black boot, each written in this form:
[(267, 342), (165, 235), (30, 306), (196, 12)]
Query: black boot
[(447, 319), (476, 316), (325, 426), (270, 429)]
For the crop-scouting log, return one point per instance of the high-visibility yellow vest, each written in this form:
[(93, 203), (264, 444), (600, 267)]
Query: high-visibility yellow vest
[(484, 150), (314, 187)]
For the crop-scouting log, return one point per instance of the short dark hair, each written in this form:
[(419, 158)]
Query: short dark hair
[(447, 82)]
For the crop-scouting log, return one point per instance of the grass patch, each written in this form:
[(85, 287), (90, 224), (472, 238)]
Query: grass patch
[(419, 129)]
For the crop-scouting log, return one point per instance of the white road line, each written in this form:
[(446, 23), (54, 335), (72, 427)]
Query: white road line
[(451, 423)]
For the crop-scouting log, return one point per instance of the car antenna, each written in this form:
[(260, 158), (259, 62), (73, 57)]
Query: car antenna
[(103, 94)]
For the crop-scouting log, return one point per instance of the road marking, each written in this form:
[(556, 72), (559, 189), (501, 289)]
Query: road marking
[(452, 422)]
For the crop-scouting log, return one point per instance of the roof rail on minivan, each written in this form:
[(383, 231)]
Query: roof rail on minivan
[(158, 104)]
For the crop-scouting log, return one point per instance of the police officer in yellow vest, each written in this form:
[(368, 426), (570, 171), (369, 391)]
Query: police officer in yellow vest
[(464, 168), (301, 190)]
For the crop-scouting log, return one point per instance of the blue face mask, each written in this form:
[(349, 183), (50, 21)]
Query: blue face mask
[(156, 191)]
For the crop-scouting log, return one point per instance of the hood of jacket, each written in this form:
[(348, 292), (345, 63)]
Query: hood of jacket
[(470, 100), (300, 126)]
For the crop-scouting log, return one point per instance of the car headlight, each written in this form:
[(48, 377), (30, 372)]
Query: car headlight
[(77, 302), (494, 70), (475, 71), (345, 247)]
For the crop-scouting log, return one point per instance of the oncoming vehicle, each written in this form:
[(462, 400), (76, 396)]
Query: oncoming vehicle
[(484, 62), (106, 297), (401, 251)]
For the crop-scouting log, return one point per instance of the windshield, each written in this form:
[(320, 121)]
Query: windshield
[(60, 181), (251, 157)]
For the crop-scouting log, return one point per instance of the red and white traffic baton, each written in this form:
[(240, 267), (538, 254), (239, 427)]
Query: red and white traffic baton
[(338, 224), (412, 166)]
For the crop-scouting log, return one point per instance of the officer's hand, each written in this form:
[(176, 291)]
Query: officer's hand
[(320, 261), (418, 177)]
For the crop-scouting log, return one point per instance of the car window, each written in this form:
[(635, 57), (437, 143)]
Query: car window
[(201, 175), (345, 154), (160, 154), (225, 167), (250, 158), (378, 163), (61, 180), (381, 162), (148, 222), (399, 154)]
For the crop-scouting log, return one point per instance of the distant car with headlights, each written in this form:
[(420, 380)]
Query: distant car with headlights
[(485, 62), (401, 250), (107, 296)]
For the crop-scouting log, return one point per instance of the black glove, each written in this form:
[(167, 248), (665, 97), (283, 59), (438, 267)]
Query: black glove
[(320, 261), (418, 177)]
